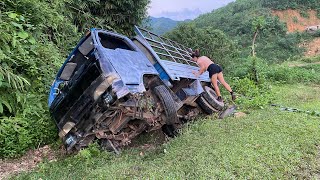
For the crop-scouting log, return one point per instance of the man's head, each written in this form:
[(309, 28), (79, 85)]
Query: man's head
[(195, 55)]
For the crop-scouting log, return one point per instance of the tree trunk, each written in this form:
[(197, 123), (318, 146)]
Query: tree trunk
[(253, 43), (254, 63)]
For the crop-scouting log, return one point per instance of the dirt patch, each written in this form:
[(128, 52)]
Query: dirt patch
[(313, 47), (294, 20), (28, 162)]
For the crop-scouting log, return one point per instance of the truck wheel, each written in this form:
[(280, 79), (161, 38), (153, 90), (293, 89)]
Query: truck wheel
[(211, 97), (168, 104), (205, 106)]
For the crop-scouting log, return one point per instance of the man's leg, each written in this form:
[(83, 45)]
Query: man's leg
[(215, 84), (223, 82), (226, 85)]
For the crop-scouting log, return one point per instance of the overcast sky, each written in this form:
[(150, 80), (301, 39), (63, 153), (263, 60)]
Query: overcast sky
[(183, 9)]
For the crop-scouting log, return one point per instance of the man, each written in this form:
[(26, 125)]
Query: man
[(215, 73)]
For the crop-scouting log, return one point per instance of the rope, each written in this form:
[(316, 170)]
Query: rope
[(289, 109)]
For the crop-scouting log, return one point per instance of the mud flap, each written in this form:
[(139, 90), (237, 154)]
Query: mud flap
[(227, 112)]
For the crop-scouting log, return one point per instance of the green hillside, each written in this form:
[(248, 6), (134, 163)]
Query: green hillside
[(240, 19), (161, 25)]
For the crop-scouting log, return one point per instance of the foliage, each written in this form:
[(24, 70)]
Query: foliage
[(291, 4), (316, 34), (237, 20), (115, 15), (92, 151), (211, 42), (311, 59), (250, 94), (28, 129), (284, 74)]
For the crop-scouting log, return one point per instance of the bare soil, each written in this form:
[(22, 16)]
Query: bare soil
[(296, 23), (27, 162), (313, 47), (294, 20)]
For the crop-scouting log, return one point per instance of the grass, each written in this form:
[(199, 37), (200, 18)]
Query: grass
[(265, 144), (294, 75), (304, 97)]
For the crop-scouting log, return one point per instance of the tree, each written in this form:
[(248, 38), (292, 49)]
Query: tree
[(211, 42), (258, 24), (118, 15)]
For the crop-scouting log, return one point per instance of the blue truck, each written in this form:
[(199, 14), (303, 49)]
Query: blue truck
[(112, 88)]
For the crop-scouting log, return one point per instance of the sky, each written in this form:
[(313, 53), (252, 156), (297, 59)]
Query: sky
[(183, 9)]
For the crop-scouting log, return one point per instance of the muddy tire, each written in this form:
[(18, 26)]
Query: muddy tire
[(211, 97), (168, 104), (205, 106)]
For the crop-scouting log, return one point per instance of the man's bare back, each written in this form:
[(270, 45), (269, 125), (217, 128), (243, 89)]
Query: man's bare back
[(204, 62)]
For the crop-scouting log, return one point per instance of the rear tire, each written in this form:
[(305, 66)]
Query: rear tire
[(211, 97), (205, 106)]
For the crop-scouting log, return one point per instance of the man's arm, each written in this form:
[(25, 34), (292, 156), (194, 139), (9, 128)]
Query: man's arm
[(201, 70)]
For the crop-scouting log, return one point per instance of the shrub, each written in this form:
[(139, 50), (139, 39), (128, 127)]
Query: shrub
[(291, 75), (311, 59), (251, 95), (304, 13), (30, 128), (295, 19)]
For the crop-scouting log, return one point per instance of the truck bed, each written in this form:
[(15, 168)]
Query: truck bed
[(171, 59)]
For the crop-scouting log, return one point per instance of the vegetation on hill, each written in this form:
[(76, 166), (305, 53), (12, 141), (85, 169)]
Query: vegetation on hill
[(292, 4), (211, 42), (161, 25), (238, 20), (35, 36)]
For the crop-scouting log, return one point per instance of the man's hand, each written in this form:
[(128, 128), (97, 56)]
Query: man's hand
[(196, 74)]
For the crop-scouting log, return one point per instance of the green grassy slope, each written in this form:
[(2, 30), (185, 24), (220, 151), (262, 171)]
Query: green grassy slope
[(267, 143)]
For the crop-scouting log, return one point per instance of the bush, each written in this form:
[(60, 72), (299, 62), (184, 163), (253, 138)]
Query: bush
[(291, 75), (251, 95), (253, 68), (304, 13), (311, 59)]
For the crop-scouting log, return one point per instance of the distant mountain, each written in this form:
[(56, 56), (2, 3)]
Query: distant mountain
[(181, 14), (161, 25)]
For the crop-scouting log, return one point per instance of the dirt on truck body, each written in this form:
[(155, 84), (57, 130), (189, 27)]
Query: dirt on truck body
[(112, 88)]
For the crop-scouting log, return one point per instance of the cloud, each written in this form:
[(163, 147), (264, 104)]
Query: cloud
[(183, 9)]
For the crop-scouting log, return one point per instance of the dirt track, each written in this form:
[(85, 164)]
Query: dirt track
[(27, 162)]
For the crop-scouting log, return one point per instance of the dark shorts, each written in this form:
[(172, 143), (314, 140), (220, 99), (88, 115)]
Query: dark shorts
[(214, 69)]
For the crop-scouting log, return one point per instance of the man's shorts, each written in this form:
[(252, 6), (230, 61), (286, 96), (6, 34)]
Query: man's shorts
[(214, 69)]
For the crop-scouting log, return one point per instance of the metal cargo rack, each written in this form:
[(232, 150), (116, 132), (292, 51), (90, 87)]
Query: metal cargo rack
[(173, 57)]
